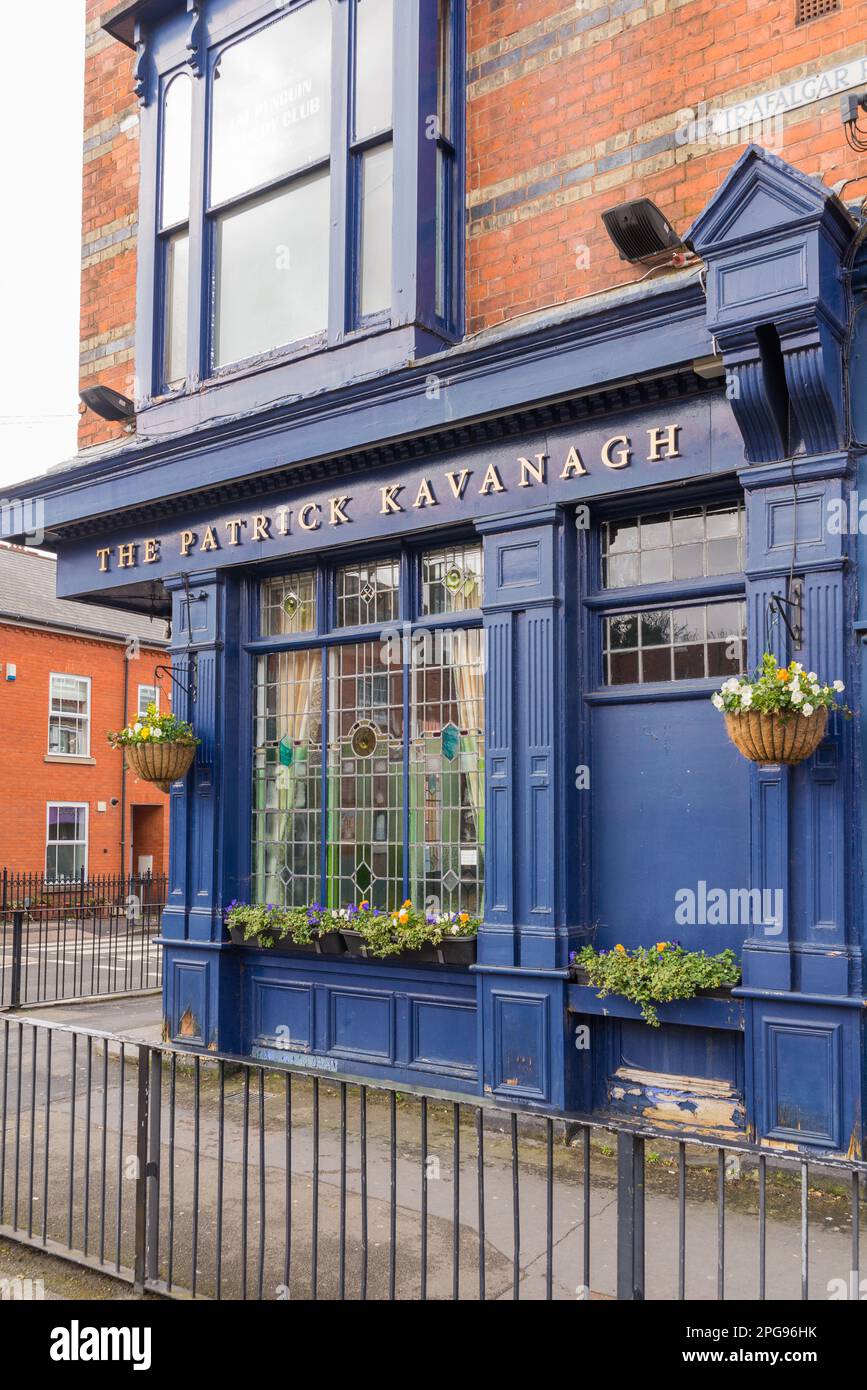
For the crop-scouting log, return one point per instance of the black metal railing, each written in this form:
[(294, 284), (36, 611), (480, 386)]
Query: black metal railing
[(79, 937), (209, 1177)]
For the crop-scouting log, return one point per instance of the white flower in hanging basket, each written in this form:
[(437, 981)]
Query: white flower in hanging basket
[(780, 715)]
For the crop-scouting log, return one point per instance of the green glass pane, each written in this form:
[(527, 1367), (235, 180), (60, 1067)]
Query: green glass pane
[(451, 741)]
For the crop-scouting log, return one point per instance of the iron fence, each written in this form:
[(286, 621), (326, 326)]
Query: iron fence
[(209, 1177), (78, 937)]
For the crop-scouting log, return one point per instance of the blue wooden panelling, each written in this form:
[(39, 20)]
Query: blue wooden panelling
[(368, 1017), (443, 1036), (804, 1067), (189, 1011), (281, 1010), (665, 823), (520, 1045), (360, 1024)]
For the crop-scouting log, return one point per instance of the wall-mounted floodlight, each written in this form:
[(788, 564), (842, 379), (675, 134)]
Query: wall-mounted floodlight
[(108, 404), (642, 234)]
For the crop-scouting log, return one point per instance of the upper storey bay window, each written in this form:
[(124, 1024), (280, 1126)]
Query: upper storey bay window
[(301, 167)]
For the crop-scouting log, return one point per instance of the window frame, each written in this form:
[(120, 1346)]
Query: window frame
[(85, 843), (413, 271), (325, 637), (68, 675), (600, 603), (155, 701)]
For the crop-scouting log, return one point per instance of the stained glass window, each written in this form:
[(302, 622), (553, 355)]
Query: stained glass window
[(388, 800), (365, 776), (287, 778), (368, 593), (447, 781), (451, 580), (289, 604)]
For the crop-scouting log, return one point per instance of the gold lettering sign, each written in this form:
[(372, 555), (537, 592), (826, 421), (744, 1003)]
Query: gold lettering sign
[(527, 471)]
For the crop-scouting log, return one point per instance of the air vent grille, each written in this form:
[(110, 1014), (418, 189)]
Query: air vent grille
[(814, 9)]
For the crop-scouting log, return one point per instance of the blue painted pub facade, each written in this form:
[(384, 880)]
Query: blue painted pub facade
[(447, 614)]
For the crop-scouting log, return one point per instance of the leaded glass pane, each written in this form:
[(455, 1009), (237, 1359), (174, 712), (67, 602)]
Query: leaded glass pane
[(447, 772), (287, 778), (365, 777), (451, 579), (705, 639), (288, 604), (687, 543), (368, 593)]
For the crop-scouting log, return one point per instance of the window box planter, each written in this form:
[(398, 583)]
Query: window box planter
[(328, 944), (403, 937), (580, 977), (651, 977), (356, 945), (458, 950)]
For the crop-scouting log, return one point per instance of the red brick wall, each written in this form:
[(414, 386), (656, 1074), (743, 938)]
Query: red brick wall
[(28, 782), (109, 218), (149, 826), (571, 108)]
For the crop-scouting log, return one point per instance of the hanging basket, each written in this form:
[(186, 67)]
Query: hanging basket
[(161, 763), (766, 738)]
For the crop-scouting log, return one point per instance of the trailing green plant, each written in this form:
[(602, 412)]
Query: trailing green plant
[(656, 974), (385, 933), (153, 727), (782, 690)]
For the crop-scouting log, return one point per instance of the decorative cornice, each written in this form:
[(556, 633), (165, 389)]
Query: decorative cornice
[(648, 335), (582, 409)]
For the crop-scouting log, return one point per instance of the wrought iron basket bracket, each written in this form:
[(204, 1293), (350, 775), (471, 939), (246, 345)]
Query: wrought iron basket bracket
[(191, 690), (778, 604)]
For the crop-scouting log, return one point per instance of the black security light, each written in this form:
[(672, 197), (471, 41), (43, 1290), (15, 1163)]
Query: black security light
[(108, 404), (642, 234)]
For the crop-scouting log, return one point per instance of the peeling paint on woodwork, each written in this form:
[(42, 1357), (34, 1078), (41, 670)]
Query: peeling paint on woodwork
[(674, 1102), (189, 1025)]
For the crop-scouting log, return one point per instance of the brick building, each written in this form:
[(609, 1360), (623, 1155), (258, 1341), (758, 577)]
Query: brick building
[(392, 381), (71, 674), (570, 108)]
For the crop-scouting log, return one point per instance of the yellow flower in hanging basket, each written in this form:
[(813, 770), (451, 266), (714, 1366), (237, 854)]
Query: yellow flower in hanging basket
[(161, 751)]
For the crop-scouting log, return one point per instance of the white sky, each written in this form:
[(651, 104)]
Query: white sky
[(41, 116)]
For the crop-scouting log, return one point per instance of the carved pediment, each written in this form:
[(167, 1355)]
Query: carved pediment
[(762, 195), (773, 239)]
